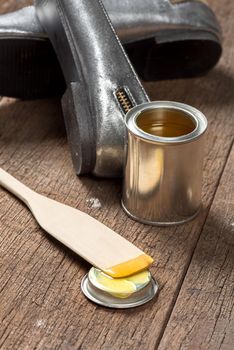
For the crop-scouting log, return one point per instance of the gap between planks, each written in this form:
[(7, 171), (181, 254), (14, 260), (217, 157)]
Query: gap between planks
[(180, 285), (183, 284)]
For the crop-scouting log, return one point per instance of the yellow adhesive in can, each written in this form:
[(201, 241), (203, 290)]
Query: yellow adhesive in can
[(119, 287)]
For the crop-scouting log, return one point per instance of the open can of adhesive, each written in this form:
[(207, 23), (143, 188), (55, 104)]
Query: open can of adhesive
[(164, 163), (106, 294)]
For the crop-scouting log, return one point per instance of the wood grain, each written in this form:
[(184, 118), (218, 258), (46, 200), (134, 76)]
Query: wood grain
[(13, 5), (85, 236), (203, 317), (41, 305)]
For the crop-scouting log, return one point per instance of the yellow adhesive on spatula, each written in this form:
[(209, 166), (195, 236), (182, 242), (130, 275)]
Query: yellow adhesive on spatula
[(130, 267), (93, 241)]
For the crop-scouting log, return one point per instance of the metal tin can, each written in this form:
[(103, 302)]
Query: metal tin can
[(164, 163), (105, 299)]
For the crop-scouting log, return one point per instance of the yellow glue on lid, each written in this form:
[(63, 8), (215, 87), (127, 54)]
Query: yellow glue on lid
[(130, 267), (120, 287)]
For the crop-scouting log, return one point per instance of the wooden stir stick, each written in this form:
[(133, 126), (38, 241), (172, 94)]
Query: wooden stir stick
[(93, 241)]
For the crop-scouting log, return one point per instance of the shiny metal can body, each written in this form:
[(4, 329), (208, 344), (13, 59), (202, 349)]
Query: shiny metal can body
[(164, 163)]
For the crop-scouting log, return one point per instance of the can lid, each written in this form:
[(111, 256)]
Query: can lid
[(105, 299), (199, 120)]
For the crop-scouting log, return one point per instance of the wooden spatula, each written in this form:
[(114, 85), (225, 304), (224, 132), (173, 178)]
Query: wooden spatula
[(93, 241)]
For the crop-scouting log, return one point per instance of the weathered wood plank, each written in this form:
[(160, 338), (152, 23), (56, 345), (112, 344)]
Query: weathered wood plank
[(41, 305), (13, 5), (203, 317)]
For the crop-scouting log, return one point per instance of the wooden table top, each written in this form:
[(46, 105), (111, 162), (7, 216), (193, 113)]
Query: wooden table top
[(41, 304)]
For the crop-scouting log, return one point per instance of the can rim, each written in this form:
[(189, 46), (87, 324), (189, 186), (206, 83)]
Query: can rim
[(195, 114), (104, 299)]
